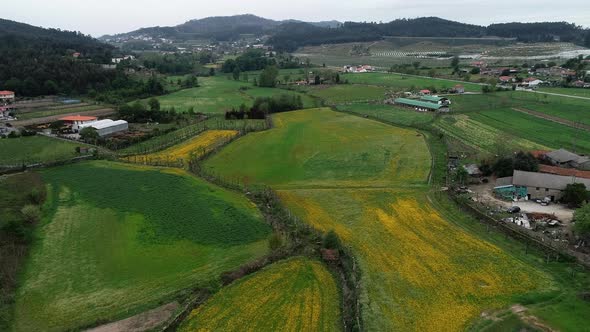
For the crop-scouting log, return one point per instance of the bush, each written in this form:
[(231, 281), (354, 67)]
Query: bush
[(331, 241), (31, 213), (582, 219), (275, 242), (575, 194)]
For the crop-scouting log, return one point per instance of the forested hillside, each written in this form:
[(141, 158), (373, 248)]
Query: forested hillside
[(38, 61)]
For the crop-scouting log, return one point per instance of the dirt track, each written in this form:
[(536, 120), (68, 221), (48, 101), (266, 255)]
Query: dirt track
[(146, 321), (47, 119)]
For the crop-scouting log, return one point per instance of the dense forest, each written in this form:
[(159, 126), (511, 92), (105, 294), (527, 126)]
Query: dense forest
[(289, 37), (37, 61)]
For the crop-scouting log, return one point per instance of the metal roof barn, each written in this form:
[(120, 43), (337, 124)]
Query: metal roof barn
[(107, 127)]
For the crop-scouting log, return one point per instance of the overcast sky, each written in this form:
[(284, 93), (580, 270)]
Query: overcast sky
[(99, 17)]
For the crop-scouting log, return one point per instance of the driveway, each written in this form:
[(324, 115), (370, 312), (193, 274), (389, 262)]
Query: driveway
[(484, 194)]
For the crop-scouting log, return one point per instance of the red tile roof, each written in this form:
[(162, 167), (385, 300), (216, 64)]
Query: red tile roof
[(564, 171), (78, 118), (505, 78), (6, 92)]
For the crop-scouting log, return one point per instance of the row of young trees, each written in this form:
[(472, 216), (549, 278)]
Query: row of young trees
[(265, 105)]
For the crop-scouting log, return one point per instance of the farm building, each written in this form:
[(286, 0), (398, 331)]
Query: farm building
[(564, 171), (425, 92), (535, 185), (76, 120), (437, 100), (107, 126), (422, 106), (458, 89), (531, 82), (564, 158), (4, 112), (6, 97)]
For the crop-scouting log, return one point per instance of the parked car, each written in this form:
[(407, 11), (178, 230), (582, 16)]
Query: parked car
[(513, 209)]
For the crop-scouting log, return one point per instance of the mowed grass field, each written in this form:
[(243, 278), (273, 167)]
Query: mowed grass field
[(320, 148), (218, 94), (35, 149), (348, 93), (400, 82), (197, 147), (119, 239), (389, 113), (293, 295), (420, 271)]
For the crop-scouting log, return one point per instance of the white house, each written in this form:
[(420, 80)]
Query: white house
[(7, 97)]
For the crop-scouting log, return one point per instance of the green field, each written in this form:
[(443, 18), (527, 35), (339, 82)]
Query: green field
[(292, 295), (568, 91), (218, 94), (321, 148), (399, 82), (390, 113), (347, 93), (119, 239), (51, 111), (35, 149), (420, 271)]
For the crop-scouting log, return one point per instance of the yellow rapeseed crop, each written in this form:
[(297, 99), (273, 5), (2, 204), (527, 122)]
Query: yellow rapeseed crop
[(197, 146), (294, 295), (421, 273)]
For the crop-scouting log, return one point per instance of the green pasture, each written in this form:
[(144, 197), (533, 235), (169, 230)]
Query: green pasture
[(117, 240), (323, 148), (406, 82), (35, 149), (218, 94), (390, 114), (347, 93)]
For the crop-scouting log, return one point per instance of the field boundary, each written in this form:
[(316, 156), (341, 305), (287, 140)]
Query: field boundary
[(552, 118)]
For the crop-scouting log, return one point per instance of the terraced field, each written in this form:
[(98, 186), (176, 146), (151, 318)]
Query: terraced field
[(119, 239), (420, 271), (293, 295), (181, 153)]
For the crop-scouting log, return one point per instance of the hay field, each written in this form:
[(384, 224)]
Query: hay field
[(118, 239), (293, 295)]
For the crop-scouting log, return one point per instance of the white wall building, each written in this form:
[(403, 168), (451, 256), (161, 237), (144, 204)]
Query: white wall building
[(107, 126)]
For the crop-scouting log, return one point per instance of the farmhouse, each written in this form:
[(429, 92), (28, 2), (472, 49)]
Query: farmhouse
[(421, 106), (564, 158), (425, 92), (107, 126), (75, 121), (4, 112), (358, 69), (505, 79), (458, 89), (535, 185), (6, 97), (531, 82), (564, 171)]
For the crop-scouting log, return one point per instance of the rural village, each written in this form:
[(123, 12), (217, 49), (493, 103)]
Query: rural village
[(239, 173)]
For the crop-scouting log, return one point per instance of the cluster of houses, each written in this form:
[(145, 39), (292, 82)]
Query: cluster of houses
[(561, 168), (7, 99), (103, 128), (358, 69), (537, 76)]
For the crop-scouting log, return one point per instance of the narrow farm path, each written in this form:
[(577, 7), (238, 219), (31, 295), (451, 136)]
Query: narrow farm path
[(557, 94), (145, 321)]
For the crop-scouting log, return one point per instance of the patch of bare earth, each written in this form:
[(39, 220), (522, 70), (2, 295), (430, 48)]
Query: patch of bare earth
[(142, 322)]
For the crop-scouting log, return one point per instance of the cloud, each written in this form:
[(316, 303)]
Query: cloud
[(115, 16)]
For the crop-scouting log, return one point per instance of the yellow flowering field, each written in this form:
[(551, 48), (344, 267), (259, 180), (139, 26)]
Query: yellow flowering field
[(420, 272), (293, 295), (198, 146)]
